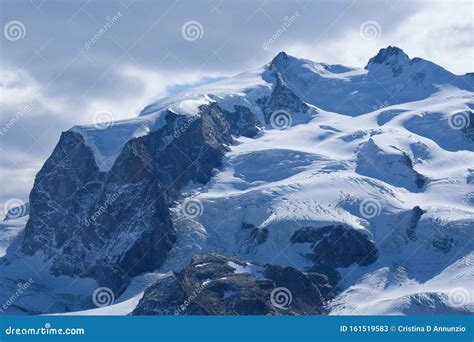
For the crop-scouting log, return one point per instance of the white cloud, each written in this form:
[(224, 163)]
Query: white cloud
[(439, 31), (19, 89), (154, 84), (442, 33), (17, 173)]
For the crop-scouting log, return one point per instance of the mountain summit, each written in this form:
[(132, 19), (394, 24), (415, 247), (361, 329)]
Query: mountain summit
[(390, 55)]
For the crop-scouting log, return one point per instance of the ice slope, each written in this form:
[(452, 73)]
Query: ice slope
[(311, 175), (392, 291)]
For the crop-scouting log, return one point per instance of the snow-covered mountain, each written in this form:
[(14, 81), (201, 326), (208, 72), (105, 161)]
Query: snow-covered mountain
[(360, 180)]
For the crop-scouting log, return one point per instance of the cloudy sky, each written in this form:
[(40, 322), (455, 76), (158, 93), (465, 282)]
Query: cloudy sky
[(62, 62)]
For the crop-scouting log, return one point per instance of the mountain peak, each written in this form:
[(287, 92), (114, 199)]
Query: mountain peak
[(390, 55), (280, 61), (280, 57)]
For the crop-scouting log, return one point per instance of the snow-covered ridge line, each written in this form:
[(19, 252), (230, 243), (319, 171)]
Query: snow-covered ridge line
[(331, 87)]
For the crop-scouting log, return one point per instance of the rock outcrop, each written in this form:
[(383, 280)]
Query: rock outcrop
[(218, 285)]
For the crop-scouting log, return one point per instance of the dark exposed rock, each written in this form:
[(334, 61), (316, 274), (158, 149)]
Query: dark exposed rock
[(162, 298), (316, 286), (258, 236), (242, 122), (282, 98), (416, 214), (279, 62), (386, 55), (336, 246), (391, 56), (247, 225), (253, 237), (219, 285), (420, 180)]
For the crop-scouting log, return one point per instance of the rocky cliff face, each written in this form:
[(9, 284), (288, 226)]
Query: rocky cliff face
[(114, 225)]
